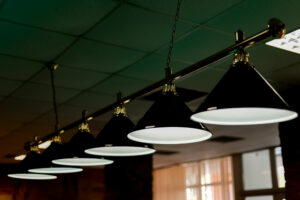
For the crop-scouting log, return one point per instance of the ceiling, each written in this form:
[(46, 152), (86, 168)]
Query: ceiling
[(107, 46)]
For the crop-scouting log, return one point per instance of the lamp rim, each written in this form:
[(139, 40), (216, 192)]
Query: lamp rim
[(32, 176), (200, 116), (55, 170), (204, 137), (97, 151), (97, 162)]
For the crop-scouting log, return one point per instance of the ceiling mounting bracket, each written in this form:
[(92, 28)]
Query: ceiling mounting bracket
[(240, 55)]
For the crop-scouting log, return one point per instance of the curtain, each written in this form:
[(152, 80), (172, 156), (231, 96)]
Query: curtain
[(203, 180), (169, 183)]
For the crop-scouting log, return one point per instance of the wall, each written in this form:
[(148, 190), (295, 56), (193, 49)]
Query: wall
[(290, 142)]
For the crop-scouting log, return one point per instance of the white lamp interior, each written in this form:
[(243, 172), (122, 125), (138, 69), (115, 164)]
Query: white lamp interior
[(244, 116), (30, 176), (120, 151), (82, 162), (55, 170), (169, 135)]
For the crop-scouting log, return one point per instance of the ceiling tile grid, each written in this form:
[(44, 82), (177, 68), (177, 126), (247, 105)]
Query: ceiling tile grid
[(191, 10), (253, 15), (116, 84), (92, 100), (140, 29), (18, 69), (70, 16), (197, 46), (33, 91), (70, 78), (151, 68), (86, 54), (30, 42), (8, 86)]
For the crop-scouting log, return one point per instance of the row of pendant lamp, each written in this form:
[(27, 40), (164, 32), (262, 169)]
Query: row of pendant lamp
[(242, 97)]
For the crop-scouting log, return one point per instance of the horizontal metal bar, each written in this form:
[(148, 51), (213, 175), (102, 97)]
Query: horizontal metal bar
[(275, 29)]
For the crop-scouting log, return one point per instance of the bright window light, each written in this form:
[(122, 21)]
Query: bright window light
[(290, 42)]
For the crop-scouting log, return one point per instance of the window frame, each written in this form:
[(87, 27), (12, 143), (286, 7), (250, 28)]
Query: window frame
[(240, 193)]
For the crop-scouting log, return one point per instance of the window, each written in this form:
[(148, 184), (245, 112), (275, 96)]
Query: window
[(258, 175), (279, 168), (257, 170), (204, 180), (262, 175)]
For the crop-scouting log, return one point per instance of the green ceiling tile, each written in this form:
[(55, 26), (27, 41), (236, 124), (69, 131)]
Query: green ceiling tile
[(288, 75), (104, 58), (92, 100), (18, 69), (25, 105), (31, 43), (204, 80), (70, 16), (252, 16), (117, 84), (19, 116), (281, 86), (223, 64), (199, 45), (151, 68), (70, 78), (44, 93), (267, 59), (137, 108), (7, 126), (137, 28), (196, 11), (8, 86)]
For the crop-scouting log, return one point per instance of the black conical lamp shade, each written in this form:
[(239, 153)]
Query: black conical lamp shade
[(79, 142), (54, 151), (113, 141), (168, 122), (243, 97), (82, 140), (32, 159)]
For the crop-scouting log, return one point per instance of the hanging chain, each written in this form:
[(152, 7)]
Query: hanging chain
[(52, 68), (168, 68)]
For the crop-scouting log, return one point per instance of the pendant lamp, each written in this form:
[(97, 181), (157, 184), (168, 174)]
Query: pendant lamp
[(33, 158), (243, 97), (82, 140), (168, 119), (113, 141), (168, 122), (56, 150)]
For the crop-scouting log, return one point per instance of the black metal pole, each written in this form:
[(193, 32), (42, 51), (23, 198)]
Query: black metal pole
[(275, 29)]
